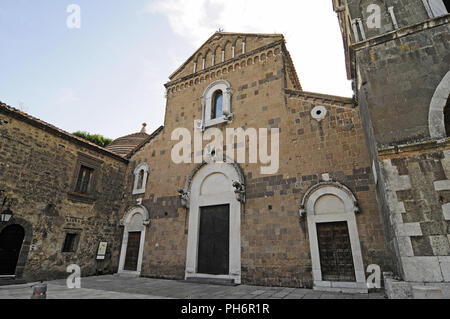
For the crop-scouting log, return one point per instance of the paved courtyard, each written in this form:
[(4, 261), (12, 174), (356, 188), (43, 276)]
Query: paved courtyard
[(115, 287)]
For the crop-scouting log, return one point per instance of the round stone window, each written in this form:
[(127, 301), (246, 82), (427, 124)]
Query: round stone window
[(319, 112)]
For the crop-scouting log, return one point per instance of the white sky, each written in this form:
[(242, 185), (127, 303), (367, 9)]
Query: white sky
[(108, 77), (310, 27)]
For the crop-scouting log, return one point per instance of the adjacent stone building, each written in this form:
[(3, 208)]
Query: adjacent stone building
[(64, 193), (398, 57)]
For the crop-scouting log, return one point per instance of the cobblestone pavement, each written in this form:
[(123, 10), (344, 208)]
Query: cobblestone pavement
[(115, 287)]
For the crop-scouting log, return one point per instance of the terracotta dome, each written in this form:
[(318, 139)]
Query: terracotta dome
[(126, 144)]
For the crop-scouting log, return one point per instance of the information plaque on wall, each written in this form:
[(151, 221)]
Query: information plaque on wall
[(101, 253)]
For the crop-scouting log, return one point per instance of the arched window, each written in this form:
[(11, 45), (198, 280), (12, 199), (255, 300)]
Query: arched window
[(217, 105), (140, 179)]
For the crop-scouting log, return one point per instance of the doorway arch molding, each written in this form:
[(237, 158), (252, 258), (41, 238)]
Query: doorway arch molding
[(350, 206), (436, 121), (135, 219), (214, 184)]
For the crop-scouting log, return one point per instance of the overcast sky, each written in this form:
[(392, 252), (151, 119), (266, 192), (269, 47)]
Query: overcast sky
[(107, 77)]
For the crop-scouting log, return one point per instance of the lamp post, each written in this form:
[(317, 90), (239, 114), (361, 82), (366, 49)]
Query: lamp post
[(6, 214)]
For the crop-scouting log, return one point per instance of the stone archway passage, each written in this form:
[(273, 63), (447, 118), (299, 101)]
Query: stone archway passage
[(11, 239)]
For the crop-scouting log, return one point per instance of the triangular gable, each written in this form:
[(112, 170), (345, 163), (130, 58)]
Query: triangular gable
[(220, 41)]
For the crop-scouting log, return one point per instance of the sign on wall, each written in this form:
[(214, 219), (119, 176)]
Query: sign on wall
[(101, 253)]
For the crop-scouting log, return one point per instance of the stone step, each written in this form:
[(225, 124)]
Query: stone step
[(212, 281), (127, 275)]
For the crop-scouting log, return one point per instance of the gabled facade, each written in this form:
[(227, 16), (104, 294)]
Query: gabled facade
[(233, 221)]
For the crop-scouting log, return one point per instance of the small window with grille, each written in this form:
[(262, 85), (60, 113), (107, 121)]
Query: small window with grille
[(69, 243), (84, 179), (84, 186)]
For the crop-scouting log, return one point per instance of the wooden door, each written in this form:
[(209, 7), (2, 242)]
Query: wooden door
[(336, 258), (214, 240), (132, 255)]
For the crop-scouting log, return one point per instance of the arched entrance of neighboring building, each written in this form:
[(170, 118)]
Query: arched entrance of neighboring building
[(438, 118), (447, 117), (11, 239)]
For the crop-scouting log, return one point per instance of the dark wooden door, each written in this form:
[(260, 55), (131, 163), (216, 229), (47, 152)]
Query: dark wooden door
[(336, 259), (132, 255), (214, 240), (11, 239)]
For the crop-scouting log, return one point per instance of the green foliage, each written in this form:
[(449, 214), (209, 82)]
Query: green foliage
[(94, 138)]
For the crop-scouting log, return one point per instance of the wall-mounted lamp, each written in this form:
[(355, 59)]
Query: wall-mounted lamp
[(6, 214)]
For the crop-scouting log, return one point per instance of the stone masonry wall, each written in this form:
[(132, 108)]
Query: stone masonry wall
[(37, 170), (418, 189), (400, 77)]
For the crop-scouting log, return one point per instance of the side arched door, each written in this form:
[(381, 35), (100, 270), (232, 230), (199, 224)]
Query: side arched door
[(11, 239)]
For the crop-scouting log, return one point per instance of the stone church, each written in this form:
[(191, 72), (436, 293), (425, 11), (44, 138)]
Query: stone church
[(358, 181)]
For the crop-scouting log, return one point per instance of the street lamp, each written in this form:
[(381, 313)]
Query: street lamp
[(6, 215)]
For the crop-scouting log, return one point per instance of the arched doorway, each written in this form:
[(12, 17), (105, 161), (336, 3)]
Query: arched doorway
[(11, 239), (216, 192), (135, 223), (333, 235)]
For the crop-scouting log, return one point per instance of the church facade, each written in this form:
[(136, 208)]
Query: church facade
[(253, 180), (230, 220)]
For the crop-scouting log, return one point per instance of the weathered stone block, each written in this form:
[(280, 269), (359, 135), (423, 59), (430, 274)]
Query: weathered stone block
[(442, 185), (405, 246), (409, 229), (427, 292), (440, 245), (422, 269), (445, 267), (446, 211)]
